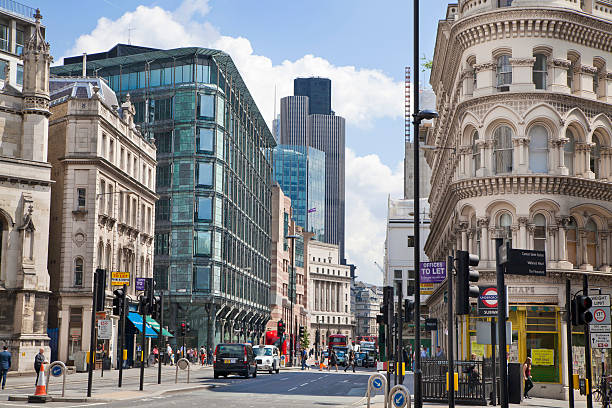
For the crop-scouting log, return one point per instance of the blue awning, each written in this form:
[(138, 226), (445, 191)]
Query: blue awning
[(136, 320)]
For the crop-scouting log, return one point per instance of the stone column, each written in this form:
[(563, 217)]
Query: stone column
[(562, 222), (515, 234), (486, 159), (604, 251), (551, 244), (86, 327), (531, 236), (481, 147), (560, 68), (483, 224), (521, 74), (485, 75), (491, 240), (582, 253), (463, 226), (522, 238), (470, 234)]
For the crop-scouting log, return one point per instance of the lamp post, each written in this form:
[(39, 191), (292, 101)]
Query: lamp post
[(292, 296), (418, 118)]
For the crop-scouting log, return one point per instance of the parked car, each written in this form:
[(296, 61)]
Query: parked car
[(234, 358), (267, 358)]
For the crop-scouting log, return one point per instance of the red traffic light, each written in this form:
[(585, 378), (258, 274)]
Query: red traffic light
[(585, 302)]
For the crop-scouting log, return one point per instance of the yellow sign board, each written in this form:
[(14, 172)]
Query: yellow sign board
[(120, 278), (427, 288), (542, 357), (478, 349)]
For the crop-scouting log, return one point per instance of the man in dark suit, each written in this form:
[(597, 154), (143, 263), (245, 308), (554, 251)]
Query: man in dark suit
[(39, 359), (5, 364)]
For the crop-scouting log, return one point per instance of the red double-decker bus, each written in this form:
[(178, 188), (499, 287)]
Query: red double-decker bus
[(337, 340), (366, 338)]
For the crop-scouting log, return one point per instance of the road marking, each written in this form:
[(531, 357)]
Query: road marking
[(283, 379), (291, 389), (303, 384)]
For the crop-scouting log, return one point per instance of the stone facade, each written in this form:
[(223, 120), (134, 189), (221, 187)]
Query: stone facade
[(25, 195), (329, 292), (365, 303), (525, 119), (103, 204)]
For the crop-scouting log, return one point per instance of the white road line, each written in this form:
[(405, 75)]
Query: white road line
[(283, 379), (291, 389), (303, 384)]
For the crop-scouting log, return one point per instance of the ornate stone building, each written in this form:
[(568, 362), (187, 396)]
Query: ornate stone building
[(103, 204), (523, 90), (25, 195)]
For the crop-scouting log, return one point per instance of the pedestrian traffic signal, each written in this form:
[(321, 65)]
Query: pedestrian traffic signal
[(466, 275), (301, 331), (118, 299), (157, 308), (280, 328), (100, 288), (580, 310), (183, 329), (408, 310)]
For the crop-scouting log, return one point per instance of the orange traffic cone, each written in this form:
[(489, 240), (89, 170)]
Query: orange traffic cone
[(41, 385)]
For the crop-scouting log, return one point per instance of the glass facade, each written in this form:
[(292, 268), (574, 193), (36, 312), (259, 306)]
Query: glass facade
[(212, 232), (300, 172)]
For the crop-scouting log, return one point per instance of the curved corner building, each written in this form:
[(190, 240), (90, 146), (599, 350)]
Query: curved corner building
[(523, 89), (212, 221)]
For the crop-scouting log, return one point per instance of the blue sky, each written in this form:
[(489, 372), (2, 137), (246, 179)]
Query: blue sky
[(362, 45)]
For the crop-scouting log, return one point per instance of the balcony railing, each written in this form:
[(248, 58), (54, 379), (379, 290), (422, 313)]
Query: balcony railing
[(18, 8)]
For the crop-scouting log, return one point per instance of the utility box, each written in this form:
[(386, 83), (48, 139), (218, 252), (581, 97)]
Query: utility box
[(515, 383), (80, 361)]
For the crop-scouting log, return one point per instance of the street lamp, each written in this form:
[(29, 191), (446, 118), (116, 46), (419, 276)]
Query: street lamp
[(292, 296)]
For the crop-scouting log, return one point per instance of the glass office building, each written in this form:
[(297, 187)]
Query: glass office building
[(214, 173), (300, 172)]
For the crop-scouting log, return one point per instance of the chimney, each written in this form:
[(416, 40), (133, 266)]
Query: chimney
[(84, 64)]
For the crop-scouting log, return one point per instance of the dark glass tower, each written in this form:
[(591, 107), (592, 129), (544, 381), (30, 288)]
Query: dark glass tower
[(318, 91), (214, 175)]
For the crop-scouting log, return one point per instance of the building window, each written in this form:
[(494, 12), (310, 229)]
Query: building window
[(502, 138), (397, 274), (475, 154), (19, 41), (203, 209), (539, 234), (205, 174), (206, 107), (4, 37), (571, 239), (78, 272), (163, 142), (595, 156), (81, 198), (504, 3), (102, 196), (201, 278), (538, 149), (540, 71), (19, 74), (568, 151), (201, 243), (504, 73), (205, 140), (162, 109), (111, 151), (163, 176), (162, 244), (410, 241), (591, 243), (162, 209)]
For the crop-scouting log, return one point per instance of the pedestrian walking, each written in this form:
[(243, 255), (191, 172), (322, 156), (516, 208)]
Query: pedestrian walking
[(527, 376), (5, 364), (351, 361), (202, 355), (210, 356), (333, 361), (39, 359), (304, 355)]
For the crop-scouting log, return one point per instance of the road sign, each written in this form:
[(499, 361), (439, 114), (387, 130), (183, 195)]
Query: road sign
[(140, 283), (526, 262), (105, 329), (399, 396), (600, 328), (601, 322), (377, 383), (431, 324), (183, 364), (600, 340), (120, 278), (487, 301), (433, 272), (600, 300), (56, 371)]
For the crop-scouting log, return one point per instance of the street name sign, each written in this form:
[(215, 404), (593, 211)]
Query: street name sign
[(526, 262)]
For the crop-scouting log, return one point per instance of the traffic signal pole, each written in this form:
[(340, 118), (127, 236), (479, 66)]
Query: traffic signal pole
[(160, 338), (501, 322), (570, 359), (587, 346), (122, 317), (92, 337), (451, 330)]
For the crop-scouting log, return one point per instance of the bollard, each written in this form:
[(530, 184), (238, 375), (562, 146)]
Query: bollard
[(377, 381), (51, 374), (399, 397), (182, 363)]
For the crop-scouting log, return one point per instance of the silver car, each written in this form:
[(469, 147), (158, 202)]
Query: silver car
[(267, 358)]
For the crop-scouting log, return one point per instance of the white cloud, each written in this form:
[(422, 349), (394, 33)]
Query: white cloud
[(368, 184), (360, 95)]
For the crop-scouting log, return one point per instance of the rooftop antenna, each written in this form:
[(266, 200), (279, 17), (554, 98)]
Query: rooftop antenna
[(130, 29)]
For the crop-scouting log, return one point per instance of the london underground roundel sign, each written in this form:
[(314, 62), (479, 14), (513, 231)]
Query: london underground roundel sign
[(487, 301), (489, 297)]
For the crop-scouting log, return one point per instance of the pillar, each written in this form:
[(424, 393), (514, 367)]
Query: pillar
[(483, 224)]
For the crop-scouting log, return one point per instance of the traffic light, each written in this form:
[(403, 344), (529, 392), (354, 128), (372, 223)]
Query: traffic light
[(465, 275), (317, 337), (187, 327), (100, 288), (157, 308), (183, 329), (118, 299), (580, 310), (301, 331), (408, 310), (280, 328), (380, 319), (387, 306)]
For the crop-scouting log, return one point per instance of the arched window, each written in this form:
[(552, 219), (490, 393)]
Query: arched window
[(568, 151), (502, 138), (505, 224), (504, 73), (538, 149), (475, 155), (539, 234), (477, 235), (78, 272), (571, 242), (540, 71), (591, 244), (596, 156)]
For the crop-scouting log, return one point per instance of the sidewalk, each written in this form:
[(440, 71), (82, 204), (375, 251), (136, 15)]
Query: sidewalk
[(378, 402)]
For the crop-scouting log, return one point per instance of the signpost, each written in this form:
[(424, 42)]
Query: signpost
[(105, 329), (601, 340), (601, 325), (525, 262), (120, 278), (487, 301), (431, 324)]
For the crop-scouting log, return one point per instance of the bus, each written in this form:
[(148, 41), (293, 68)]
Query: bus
[(337, 340)]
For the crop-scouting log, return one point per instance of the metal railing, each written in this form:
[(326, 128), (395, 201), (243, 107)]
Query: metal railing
[(474, 385), (18, 8)]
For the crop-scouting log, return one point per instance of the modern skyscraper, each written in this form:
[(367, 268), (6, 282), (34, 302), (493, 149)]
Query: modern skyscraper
[(214, 175), (325, 132), (318, 91), (300, 173)]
